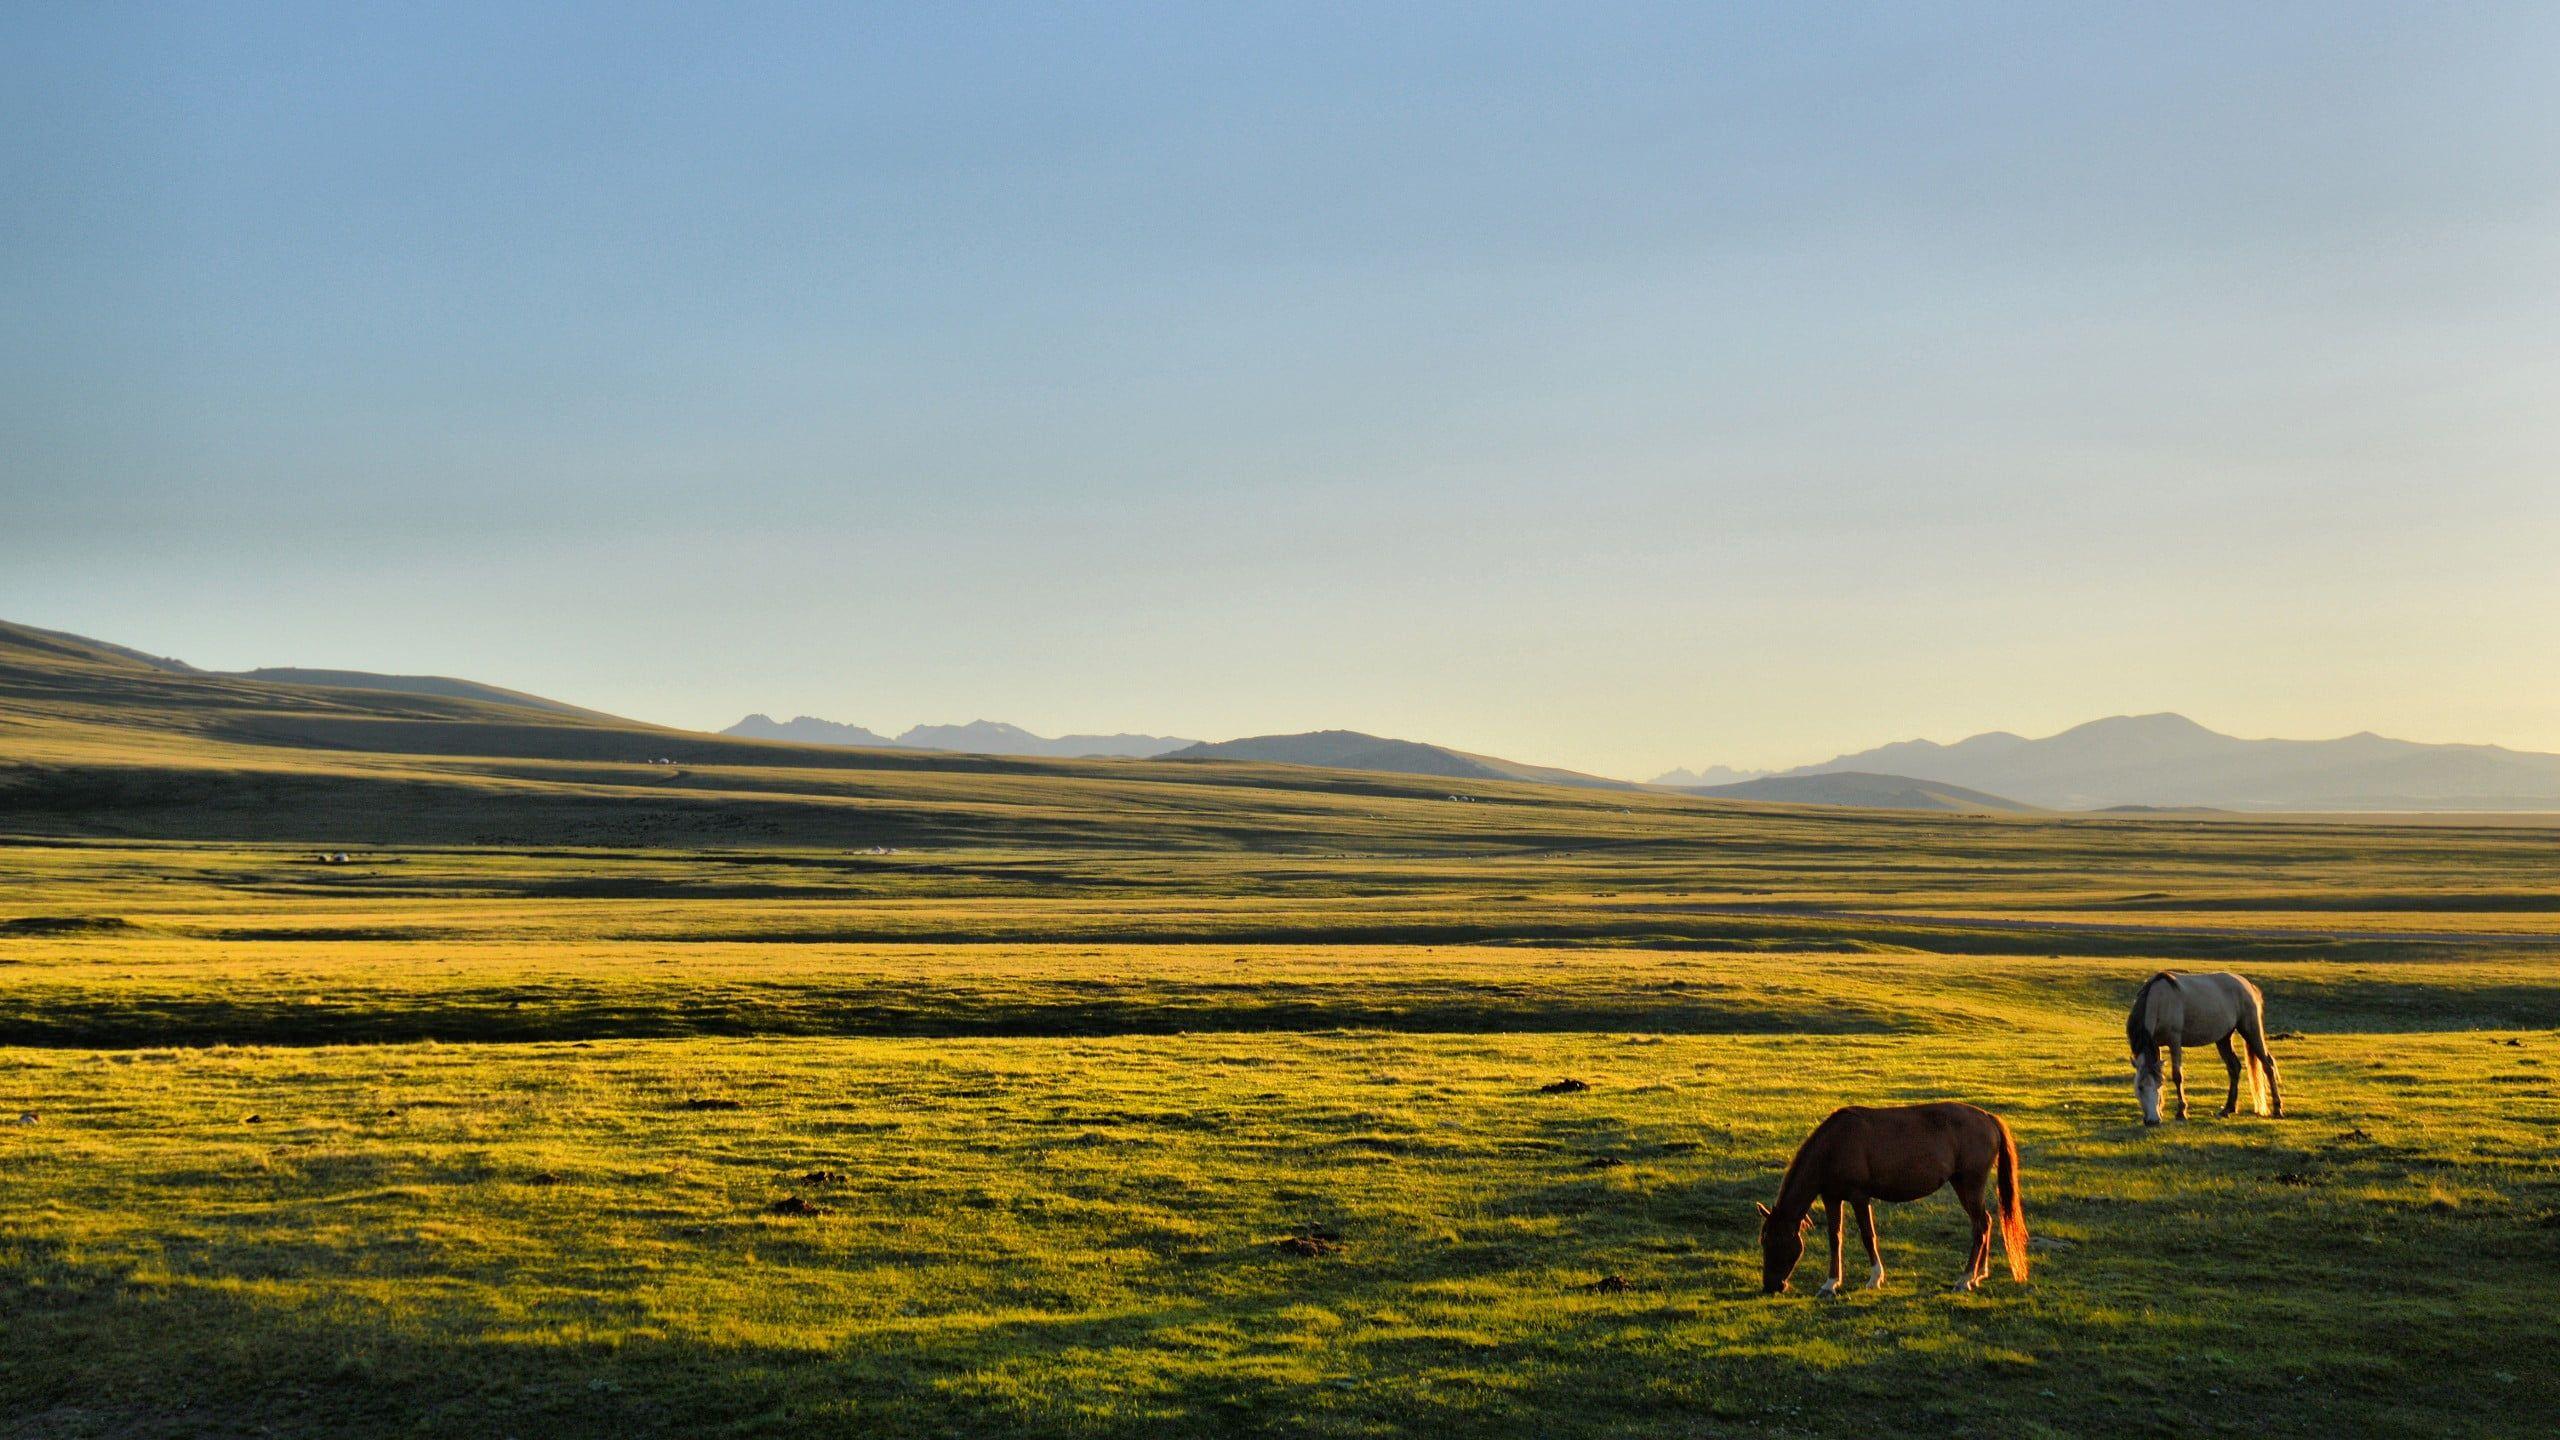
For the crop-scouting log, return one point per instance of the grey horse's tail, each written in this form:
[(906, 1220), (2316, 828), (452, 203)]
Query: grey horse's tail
[(2253, 1044)]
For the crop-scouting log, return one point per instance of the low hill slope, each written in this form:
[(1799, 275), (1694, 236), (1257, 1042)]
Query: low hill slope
[(416, 685), (1352, 750), (96, 741), (1850, 787)]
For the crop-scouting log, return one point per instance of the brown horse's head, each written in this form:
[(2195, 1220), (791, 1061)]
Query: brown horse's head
[(1781, 1246)]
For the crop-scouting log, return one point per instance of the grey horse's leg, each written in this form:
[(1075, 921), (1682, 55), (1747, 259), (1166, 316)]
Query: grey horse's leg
[(2178, 1074), (1867, 1232), (2230, 1062)]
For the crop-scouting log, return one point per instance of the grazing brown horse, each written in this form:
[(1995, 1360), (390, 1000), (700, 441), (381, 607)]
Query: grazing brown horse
[(2177, 1011), (1863, 1155)]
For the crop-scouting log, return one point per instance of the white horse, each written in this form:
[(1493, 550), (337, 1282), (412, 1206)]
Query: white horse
[(2182, 1010)]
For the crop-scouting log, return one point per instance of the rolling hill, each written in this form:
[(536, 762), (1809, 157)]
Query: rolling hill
[(414, 685), (99, 741), (2169, 761), (1351, 750), (29, 640), (1858, 788)]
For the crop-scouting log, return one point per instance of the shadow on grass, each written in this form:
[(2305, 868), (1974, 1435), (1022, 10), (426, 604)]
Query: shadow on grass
[(134, 1017)]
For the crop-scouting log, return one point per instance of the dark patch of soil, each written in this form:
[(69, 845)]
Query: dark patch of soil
[(2288, 1035), (1565, 1087), (826, 1177), (66, 925), (543, 1177), (1611, 1285), (713, 1102), (1313, 1241), (794, 1205), (1603, 1162), (2298, 1177)]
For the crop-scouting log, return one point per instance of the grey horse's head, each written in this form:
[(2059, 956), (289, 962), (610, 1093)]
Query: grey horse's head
[(2146, 1084)]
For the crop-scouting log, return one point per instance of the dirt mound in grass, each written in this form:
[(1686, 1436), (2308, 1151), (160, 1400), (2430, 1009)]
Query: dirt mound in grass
[(712, 1102), (1565, 1087), (794, 1205), (67, 925)]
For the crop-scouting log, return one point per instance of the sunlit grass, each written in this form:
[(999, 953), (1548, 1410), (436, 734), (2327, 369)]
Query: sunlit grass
[(1080, 1235)]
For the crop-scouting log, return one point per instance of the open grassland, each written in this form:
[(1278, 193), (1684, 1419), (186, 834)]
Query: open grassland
[(1091, 1236), (441, 1140), (779, 1091)]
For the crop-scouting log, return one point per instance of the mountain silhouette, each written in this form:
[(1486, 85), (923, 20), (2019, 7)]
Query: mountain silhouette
[(2170, 761), (978, 737)]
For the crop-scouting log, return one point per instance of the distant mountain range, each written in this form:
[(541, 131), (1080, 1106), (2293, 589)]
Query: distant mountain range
[(2128, 763), (978, 737), (1712, 775), (2169, 761), (1351, 750)]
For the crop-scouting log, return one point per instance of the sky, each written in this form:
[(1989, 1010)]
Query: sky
[(1611, 386)]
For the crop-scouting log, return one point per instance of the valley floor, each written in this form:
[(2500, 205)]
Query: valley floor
[(1219, 1146)]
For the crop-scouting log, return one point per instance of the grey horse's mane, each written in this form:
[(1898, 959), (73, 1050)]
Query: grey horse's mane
[(2137, 1026)]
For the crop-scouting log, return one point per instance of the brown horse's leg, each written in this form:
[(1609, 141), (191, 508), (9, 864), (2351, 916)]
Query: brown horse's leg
[(1977, 1265), (2230, 1062), (2178, 1075), (1831, 1216), (1867, 1232)]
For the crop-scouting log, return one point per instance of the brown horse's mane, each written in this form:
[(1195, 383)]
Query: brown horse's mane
[(1796, 1167), (2137, 1030)]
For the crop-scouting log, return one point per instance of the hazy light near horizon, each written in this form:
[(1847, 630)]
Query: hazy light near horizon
[(1612, 386)]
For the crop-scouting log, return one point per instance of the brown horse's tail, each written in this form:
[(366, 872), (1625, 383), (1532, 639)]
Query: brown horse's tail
[(2013, 1214)]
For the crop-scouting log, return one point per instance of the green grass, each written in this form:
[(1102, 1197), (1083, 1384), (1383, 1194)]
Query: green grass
[(403, 1146), (1080, 1237)]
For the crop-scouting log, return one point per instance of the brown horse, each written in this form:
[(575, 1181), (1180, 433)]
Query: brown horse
[(1863, 1155)]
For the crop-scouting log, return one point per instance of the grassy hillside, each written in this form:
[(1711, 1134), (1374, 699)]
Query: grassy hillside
[(418, 685), (1851, 787), (791, 1088), (1351, 750)]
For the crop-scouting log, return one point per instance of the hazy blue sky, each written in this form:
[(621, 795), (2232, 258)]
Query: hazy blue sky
[(1610, 386)]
